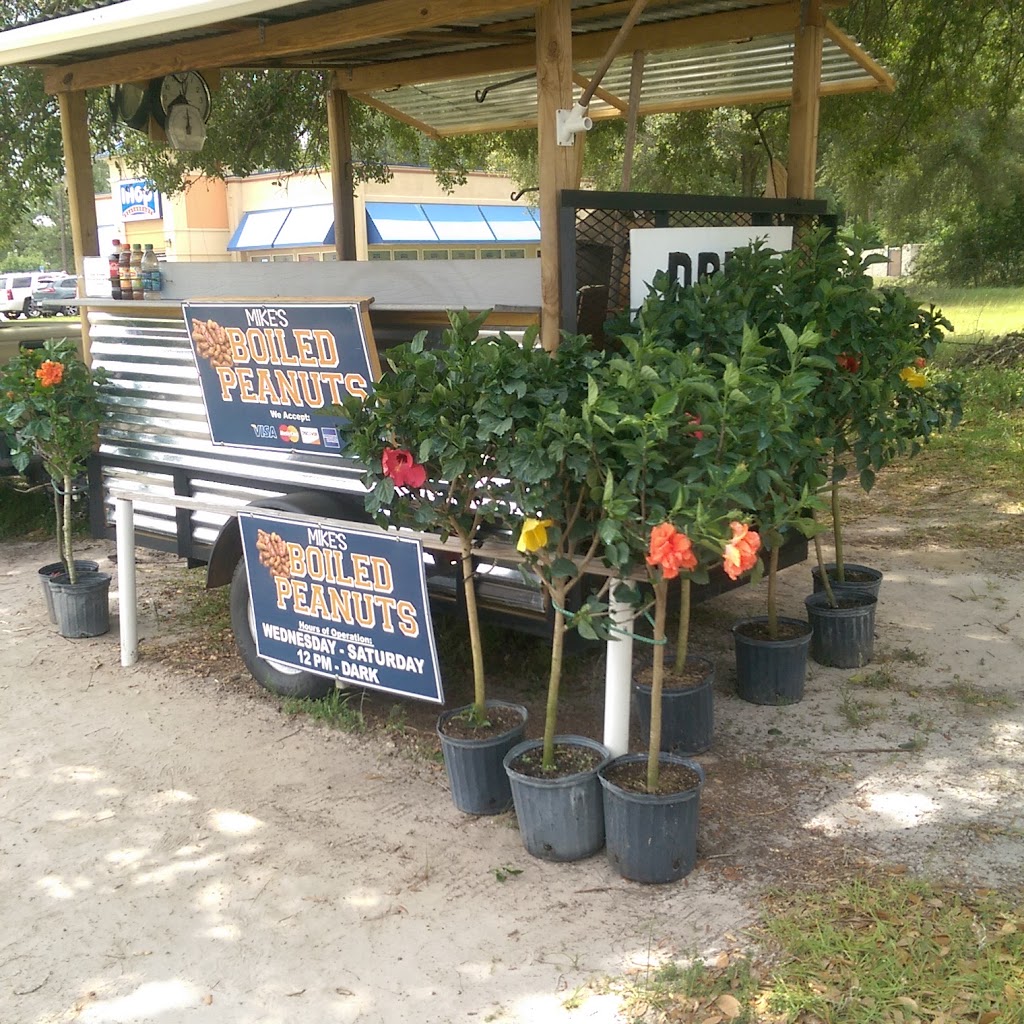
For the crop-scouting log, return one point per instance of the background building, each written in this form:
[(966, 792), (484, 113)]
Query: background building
[(289, 217)]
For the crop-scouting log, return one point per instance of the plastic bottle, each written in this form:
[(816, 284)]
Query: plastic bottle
[(135, 270), (114, 271), (150, 274), (124, 270)]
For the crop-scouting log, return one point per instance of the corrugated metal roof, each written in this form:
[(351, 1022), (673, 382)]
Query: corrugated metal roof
[(673, 80), (496, 39)]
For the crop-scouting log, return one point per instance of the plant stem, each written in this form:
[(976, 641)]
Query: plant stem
[(683, 634), (475, 643), (837, 530), (67, 531), (59, 525), (824, 575), (554, 679), (657, 677), (773, 574)]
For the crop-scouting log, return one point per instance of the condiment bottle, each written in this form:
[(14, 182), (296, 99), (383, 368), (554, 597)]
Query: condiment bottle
[(135, 270), (114, 270), (124, 270)]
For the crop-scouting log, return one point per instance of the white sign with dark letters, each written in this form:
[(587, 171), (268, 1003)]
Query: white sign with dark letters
[(688, 254)]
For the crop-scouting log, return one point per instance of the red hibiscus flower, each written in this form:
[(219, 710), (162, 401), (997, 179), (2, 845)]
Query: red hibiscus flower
[(695, 421), (847, 362), (920, 362), (671, 551), (741, 552), (399, 465)]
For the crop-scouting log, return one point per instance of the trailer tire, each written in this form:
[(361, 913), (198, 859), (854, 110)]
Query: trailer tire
[(284, 681)]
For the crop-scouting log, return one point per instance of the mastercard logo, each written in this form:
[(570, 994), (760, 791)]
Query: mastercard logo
[(288, 432)]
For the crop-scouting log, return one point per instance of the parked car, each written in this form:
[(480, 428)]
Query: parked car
[(57, 296), (16, 293)]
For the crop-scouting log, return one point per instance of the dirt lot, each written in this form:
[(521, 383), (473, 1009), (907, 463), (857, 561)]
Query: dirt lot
[(174, 847)]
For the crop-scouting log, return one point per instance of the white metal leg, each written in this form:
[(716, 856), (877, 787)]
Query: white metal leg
[(618, 677), (124, 524)]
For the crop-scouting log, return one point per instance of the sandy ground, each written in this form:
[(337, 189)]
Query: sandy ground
[(170, 854)]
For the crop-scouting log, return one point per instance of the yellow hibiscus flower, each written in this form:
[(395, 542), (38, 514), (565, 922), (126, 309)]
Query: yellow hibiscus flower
[(913, 378), (534, 534)]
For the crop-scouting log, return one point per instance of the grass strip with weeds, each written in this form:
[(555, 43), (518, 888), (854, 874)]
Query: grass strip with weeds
[(340, 709), (897, 951)]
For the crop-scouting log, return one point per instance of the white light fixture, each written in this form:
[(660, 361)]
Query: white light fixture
[(185, 127)]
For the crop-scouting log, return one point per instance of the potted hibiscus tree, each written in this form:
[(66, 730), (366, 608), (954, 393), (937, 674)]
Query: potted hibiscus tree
[(556, 506), (663, 516), (50, 409), (430, 434)]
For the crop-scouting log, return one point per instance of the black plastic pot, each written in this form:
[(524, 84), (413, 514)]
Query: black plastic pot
[(870, 580), (771, 671), (687, 714), (475, 770), (82, 608), (842, 637), (651, 838), (47, 572), (560, 819)]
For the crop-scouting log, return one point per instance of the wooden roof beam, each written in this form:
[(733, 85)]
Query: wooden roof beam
[(663, 35), (861, 56), (253, 46)]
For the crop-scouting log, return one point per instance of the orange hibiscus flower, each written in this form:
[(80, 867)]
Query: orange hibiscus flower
[(671, 550), (741, 551), (50, 373)]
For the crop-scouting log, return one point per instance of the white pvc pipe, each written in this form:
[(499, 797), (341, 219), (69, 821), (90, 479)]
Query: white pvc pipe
[(618, 678), (127, 613)]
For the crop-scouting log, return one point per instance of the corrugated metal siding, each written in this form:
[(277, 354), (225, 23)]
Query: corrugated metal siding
[(671, 78), (156, 415)]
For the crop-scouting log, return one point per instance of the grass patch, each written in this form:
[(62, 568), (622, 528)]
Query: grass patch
[(890, 953), (25, 513), (977, 469), (858, 714), (882, 678), (340, 709), (208, 611), (977, 313), (974, 697)]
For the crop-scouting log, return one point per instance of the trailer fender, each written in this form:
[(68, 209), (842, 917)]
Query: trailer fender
[(227, 549)]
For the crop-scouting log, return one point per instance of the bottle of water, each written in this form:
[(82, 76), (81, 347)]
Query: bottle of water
[(151, 282)]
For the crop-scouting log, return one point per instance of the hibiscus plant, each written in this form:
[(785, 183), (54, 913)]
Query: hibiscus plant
[(670, 499), (875, 399), (555, 499), (429, 434), (50, 408)]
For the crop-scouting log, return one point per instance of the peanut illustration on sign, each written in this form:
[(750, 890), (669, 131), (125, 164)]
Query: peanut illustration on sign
[(212, 342), (273, 553)]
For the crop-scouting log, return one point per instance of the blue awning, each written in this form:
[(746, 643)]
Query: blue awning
[(454, 222), (388, 224), (466, 223), (512, 223), (285, 228)]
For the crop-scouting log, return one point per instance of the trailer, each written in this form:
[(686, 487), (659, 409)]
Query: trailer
[(447, 68)]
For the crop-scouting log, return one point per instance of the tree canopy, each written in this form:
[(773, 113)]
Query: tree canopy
[(936, 160)]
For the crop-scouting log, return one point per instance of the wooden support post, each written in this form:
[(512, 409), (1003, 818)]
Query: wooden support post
[(803, 113), (74, 128), (556, 164), (339, 132)]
